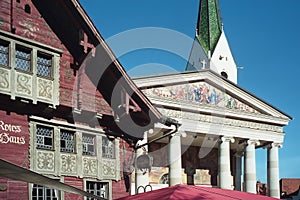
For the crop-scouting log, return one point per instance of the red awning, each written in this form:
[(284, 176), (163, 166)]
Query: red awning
[(185, 192)]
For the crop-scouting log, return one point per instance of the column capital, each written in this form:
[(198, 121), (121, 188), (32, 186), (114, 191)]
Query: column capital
[(226, 139), (239, 154), (272, 145), (179, 134), (251, 142)]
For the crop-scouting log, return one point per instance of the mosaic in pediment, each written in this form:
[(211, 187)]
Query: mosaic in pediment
[(201, 93)]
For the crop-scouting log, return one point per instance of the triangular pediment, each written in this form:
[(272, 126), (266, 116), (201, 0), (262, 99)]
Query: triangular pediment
[(202, 93), (205, 89)]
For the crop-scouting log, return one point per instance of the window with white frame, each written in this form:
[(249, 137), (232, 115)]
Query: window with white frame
[(44, 137), (35, 66), (108, 148), (4, 47), (23, 58), (67, 141), (88, 145), (40, 192), (98, 188), (44, 65)]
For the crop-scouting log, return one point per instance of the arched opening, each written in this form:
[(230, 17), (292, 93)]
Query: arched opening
[(224, 74)]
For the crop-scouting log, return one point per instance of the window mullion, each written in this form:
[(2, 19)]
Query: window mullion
[(12, 61), (56, 145), (55, 73), (34, 76), (78, 138)]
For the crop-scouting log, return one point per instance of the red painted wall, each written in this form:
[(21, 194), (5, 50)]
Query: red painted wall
[(34, 27), (13, 190), (14, 138), (75, 182), (14, 19), (14, 145)]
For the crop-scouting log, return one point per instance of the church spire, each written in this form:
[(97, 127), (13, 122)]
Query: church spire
[(209, 25), (210, 49)]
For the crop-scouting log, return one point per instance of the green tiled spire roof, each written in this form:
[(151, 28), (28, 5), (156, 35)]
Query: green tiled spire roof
[(209, 26)]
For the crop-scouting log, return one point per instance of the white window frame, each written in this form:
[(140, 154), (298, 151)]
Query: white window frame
[(94, 145), (52, 137), (105, 149), (59, 193), (73, 140), (108, 182), (36, 49)]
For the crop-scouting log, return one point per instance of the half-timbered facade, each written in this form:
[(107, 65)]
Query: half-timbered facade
[(58, 116)]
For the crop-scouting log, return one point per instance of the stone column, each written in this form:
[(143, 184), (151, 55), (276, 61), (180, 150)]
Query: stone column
[(238, 171), (225, 180), (250, 166), (273, 170), (175, 176), (141, 179)]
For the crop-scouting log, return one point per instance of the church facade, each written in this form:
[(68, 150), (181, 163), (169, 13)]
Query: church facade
[(222, 124)]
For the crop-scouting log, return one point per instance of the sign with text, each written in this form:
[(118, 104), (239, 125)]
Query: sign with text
[(14, 138), (9, 133)]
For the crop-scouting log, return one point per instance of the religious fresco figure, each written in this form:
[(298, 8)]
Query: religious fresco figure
[(213, 98), (200, 93), (197, 91), (180, 93), (204, 94)]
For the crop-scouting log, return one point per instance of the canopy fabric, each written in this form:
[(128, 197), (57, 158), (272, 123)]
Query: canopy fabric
[(184, 192), (11, 171)]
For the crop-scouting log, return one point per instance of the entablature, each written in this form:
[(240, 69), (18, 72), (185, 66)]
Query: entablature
[(221, 126)]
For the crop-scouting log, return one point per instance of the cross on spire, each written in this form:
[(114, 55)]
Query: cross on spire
[(203, 62)]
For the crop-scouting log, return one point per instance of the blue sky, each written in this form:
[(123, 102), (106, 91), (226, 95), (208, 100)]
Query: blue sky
[(263, 36)]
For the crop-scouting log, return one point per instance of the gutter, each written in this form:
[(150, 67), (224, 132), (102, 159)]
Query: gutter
[(168, 122)]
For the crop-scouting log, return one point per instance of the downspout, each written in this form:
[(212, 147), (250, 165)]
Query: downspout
[(167, 121)]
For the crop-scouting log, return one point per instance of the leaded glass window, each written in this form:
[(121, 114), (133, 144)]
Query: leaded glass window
[(88, 145), (4, 47), (67, 141), (44, 137), (97, 188), (23, 58), (44, 63), (108, 148), (40, 192)]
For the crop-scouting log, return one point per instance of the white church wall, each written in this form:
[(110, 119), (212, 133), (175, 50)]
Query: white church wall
[(222, 59)]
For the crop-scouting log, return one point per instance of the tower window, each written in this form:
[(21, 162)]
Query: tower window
[(224, 74)]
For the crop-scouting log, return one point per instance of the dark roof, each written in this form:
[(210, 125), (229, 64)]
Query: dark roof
[(67, 19), (289, 185)]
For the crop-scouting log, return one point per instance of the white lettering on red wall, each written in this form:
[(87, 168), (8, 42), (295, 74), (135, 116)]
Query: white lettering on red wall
[(9, 133)]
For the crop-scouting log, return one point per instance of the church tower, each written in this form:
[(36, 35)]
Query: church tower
[(210, 49)]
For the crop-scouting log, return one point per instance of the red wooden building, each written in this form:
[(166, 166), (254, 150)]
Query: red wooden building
[(68, 110)]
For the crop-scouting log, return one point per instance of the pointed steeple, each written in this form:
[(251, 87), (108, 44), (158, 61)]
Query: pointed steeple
[(210, 48), (209, 26)]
